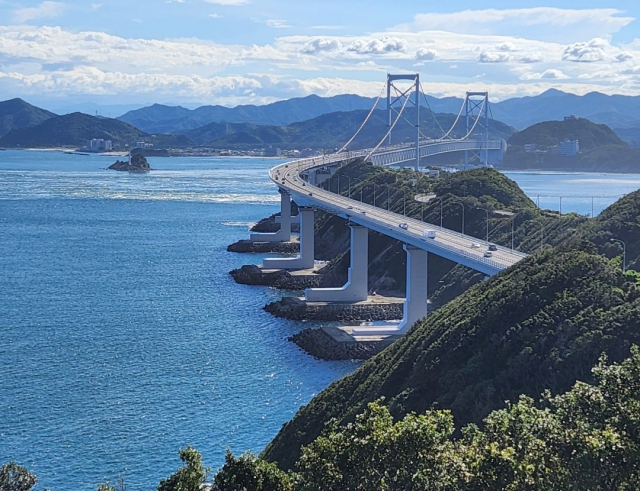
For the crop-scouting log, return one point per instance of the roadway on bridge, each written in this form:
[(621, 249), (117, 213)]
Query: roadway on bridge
[(447, 243)]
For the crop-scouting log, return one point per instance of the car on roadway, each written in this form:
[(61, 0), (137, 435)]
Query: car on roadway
[(493, 247), (403, 226), (488, 254), (475, 245)]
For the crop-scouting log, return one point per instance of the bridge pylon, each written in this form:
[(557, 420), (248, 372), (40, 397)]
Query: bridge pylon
[(399, 98), (476, 108)]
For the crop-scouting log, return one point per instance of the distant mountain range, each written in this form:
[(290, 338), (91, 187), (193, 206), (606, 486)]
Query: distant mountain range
[(621, 113), (16, 113), (331, 131)]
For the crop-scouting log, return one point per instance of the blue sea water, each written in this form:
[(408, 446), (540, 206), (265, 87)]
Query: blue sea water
[(122, 336)]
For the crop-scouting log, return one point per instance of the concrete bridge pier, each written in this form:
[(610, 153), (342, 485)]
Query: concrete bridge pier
[(307, 245), (356, 288), (415, 305), (284, 234)]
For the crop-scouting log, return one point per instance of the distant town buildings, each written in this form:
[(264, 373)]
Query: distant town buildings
[(569, 147), (530, 147), (143, 145), (572, 117), (99, 145), (272, 152)]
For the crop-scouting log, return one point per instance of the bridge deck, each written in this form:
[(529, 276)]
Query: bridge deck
[(447, 243)]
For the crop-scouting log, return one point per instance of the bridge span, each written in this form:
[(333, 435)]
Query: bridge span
[(296, 179), (363, 217)]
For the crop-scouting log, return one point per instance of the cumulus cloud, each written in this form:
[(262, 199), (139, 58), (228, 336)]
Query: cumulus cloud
[(321, 44), (491, 57), (547, 74), (45, 10), (507, 46), (624, 56), (378, 46), (426, 54), (589, 52), (531, 58)]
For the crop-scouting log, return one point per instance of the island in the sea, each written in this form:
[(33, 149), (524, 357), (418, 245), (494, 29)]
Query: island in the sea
[(137, 163)]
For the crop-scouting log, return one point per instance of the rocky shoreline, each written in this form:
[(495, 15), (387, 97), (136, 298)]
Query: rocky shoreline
[(250, 274), (320, 344), (251, 247), (293, 308)]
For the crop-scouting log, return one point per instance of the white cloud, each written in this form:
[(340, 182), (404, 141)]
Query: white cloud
[(552, 73), (624, 56), (321, 44), (426, 54), (277, 23), (45, 10), (96, 6), (489, 57), (534, 57), (378, 46), (589, 52), (215, 16), (507, 46)]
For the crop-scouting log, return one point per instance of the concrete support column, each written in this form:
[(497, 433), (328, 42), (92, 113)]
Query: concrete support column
[(284, 234), (307, 246), (356, 288), (415, 306)]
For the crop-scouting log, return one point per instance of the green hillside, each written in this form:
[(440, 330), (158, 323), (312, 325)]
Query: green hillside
[(539, 325), (16, 113), (76, 128), (550, 133), (601, 150)]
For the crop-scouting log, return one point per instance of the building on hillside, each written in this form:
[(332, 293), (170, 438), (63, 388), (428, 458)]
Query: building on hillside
[(143, 145), (99, 145), (572, 117), (530, 147), (569, 147)]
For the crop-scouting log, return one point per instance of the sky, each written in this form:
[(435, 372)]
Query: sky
[(231, 52)]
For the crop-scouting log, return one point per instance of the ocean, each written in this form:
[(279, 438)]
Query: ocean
[(125, 339)]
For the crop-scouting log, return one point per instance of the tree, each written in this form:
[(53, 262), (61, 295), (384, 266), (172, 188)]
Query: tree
[(190, 476), (249, 473), (14, 477)]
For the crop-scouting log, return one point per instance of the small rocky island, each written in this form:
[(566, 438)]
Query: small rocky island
[(137, 163)]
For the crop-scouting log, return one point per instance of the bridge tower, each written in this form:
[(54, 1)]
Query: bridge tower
[(476, 106), (399, 98)]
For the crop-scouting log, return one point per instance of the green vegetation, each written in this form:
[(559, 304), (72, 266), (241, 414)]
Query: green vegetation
[(190, 476), (550, 133), (538, 325), (600, 148), (585, 438), (76, 128)]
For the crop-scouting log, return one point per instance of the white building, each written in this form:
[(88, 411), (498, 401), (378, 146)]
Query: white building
[(99, 145), (569, 147)]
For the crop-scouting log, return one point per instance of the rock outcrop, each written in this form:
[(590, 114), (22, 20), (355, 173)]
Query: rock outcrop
[(138, 163)]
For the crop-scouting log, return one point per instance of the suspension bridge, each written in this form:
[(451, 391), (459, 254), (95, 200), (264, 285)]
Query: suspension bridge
[(298, 180)]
